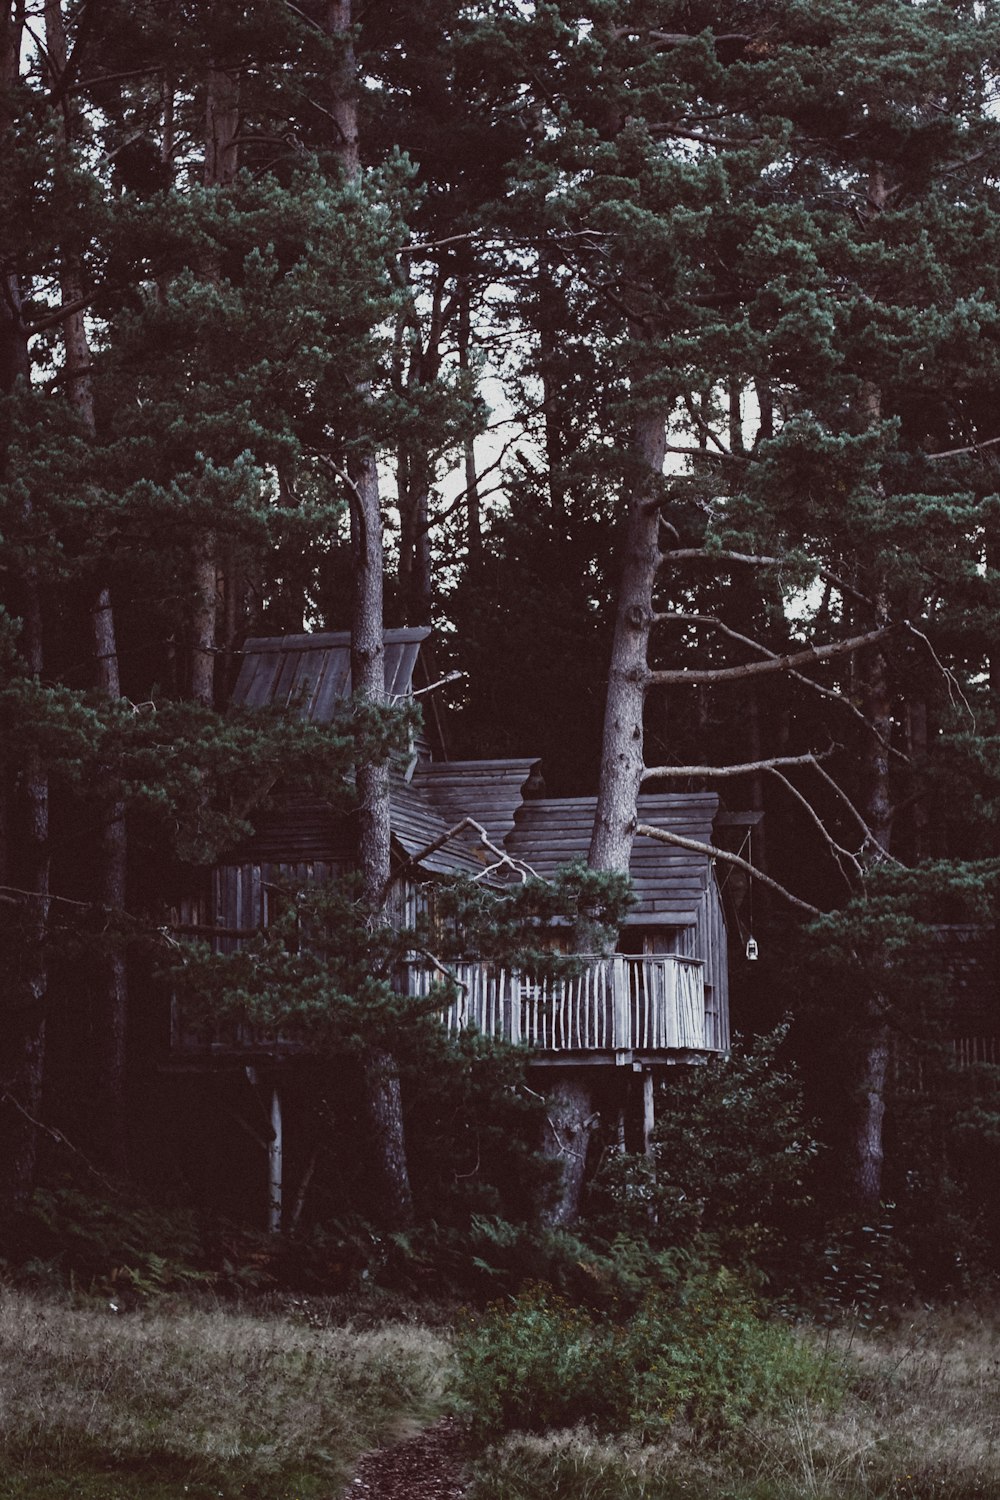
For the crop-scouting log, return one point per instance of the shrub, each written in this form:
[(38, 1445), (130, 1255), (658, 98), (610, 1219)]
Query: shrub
[(700, 1353), (730, 1163)]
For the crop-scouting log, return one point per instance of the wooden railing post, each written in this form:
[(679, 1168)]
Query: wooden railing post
[(510, 1005), (619, 988)]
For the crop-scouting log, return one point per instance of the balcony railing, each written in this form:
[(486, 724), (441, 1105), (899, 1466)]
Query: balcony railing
[(613, 1005)]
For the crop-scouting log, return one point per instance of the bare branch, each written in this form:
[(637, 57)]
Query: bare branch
[(303, 17), (703, 554), (954, 687), (706, 453), (838, 852), (697, 675), (448, 677), (681, 618), (59, 315), (746, 769), (646, 830), (704, 427), (503, 860), (870, 841), (959, 452)]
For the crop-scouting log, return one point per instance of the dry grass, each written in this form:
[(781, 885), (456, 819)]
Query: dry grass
[(920, 1421), (922, 1417), (218, 1396)]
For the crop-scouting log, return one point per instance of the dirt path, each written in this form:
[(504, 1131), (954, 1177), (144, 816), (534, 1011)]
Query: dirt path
[(430, 1466)]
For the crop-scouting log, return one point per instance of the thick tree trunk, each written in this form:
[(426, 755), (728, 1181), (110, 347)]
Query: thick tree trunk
[(222, 118), (384, 1107), (872, 1071), (368, 676), (22, 1035), (622, 749), (568, 1125), (622, 765), (865, 1155), (381, 1074), (111, 1011), (865, 1159), (204, 613)]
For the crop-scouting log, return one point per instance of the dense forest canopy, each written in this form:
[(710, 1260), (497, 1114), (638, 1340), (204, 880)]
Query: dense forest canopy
[(660, 338)]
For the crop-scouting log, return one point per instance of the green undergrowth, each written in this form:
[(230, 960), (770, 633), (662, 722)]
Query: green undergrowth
[(699, 1353), (917, 1418)]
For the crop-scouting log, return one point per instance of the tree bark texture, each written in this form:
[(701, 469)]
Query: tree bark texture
[(383, 1095), (368, 676), (566, 1136), (473, 505), (384, 1107), (864, 1167), (622, 748)]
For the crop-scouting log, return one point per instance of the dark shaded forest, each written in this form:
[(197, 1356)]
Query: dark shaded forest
[(649, 352)]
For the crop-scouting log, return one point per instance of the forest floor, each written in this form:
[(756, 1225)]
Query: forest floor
[(196, 1400)]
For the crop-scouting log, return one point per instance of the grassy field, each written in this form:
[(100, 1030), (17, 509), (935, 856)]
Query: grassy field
[(201, 1401)]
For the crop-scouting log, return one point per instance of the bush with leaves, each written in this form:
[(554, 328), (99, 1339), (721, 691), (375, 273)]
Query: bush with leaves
[(699, 1352), (730, 1162)]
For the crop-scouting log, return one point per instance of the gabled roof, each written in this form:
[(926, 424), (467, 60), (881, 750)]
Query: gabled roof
[(313, 671), (416, 826), (488, 790), (669, 881)]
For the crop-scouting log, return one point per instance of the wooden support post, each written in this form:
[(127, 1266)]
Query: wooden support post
[(648, 1112), (274, 1166)]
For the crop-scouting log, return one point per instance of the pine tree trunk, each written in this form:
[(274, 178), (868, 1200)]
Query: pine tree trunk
[(622, 762), (222, 116), (111, 1010), (22, 1036), (864, 1165), (473, 505), (383, 1096)]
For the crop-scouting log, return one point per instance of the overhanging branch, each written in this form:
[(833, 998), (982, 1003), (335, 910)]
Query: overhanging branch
[(648, 831), (679, 617), (697, 675), (840, 854), (754, 560), (745, 769)]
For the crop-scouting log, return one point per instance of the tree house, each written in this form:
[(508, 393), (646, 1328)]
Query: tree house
[(660, 999)]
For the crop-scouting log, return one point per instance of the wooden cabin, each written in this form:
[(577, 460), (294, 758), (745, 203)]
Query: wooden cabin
[(661, 998)]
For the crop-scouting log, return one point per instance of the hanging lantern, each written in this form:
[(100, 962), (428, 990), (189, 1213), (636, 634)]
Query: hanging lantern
[(752, 949)]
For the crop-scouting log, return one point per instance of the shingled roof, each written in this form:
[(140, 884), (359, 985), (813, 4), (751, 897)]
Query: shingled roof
[(313, 672), (669, 882), (488, 790)]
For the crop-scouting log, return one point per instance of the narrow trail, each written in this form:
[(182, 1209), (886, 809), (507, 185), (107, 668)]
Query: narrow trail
[(430, 1466)]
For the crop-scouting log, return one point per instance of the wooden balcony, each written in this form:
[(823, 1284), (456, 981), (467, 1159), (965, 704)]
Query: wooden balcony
[(616, 1010)]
